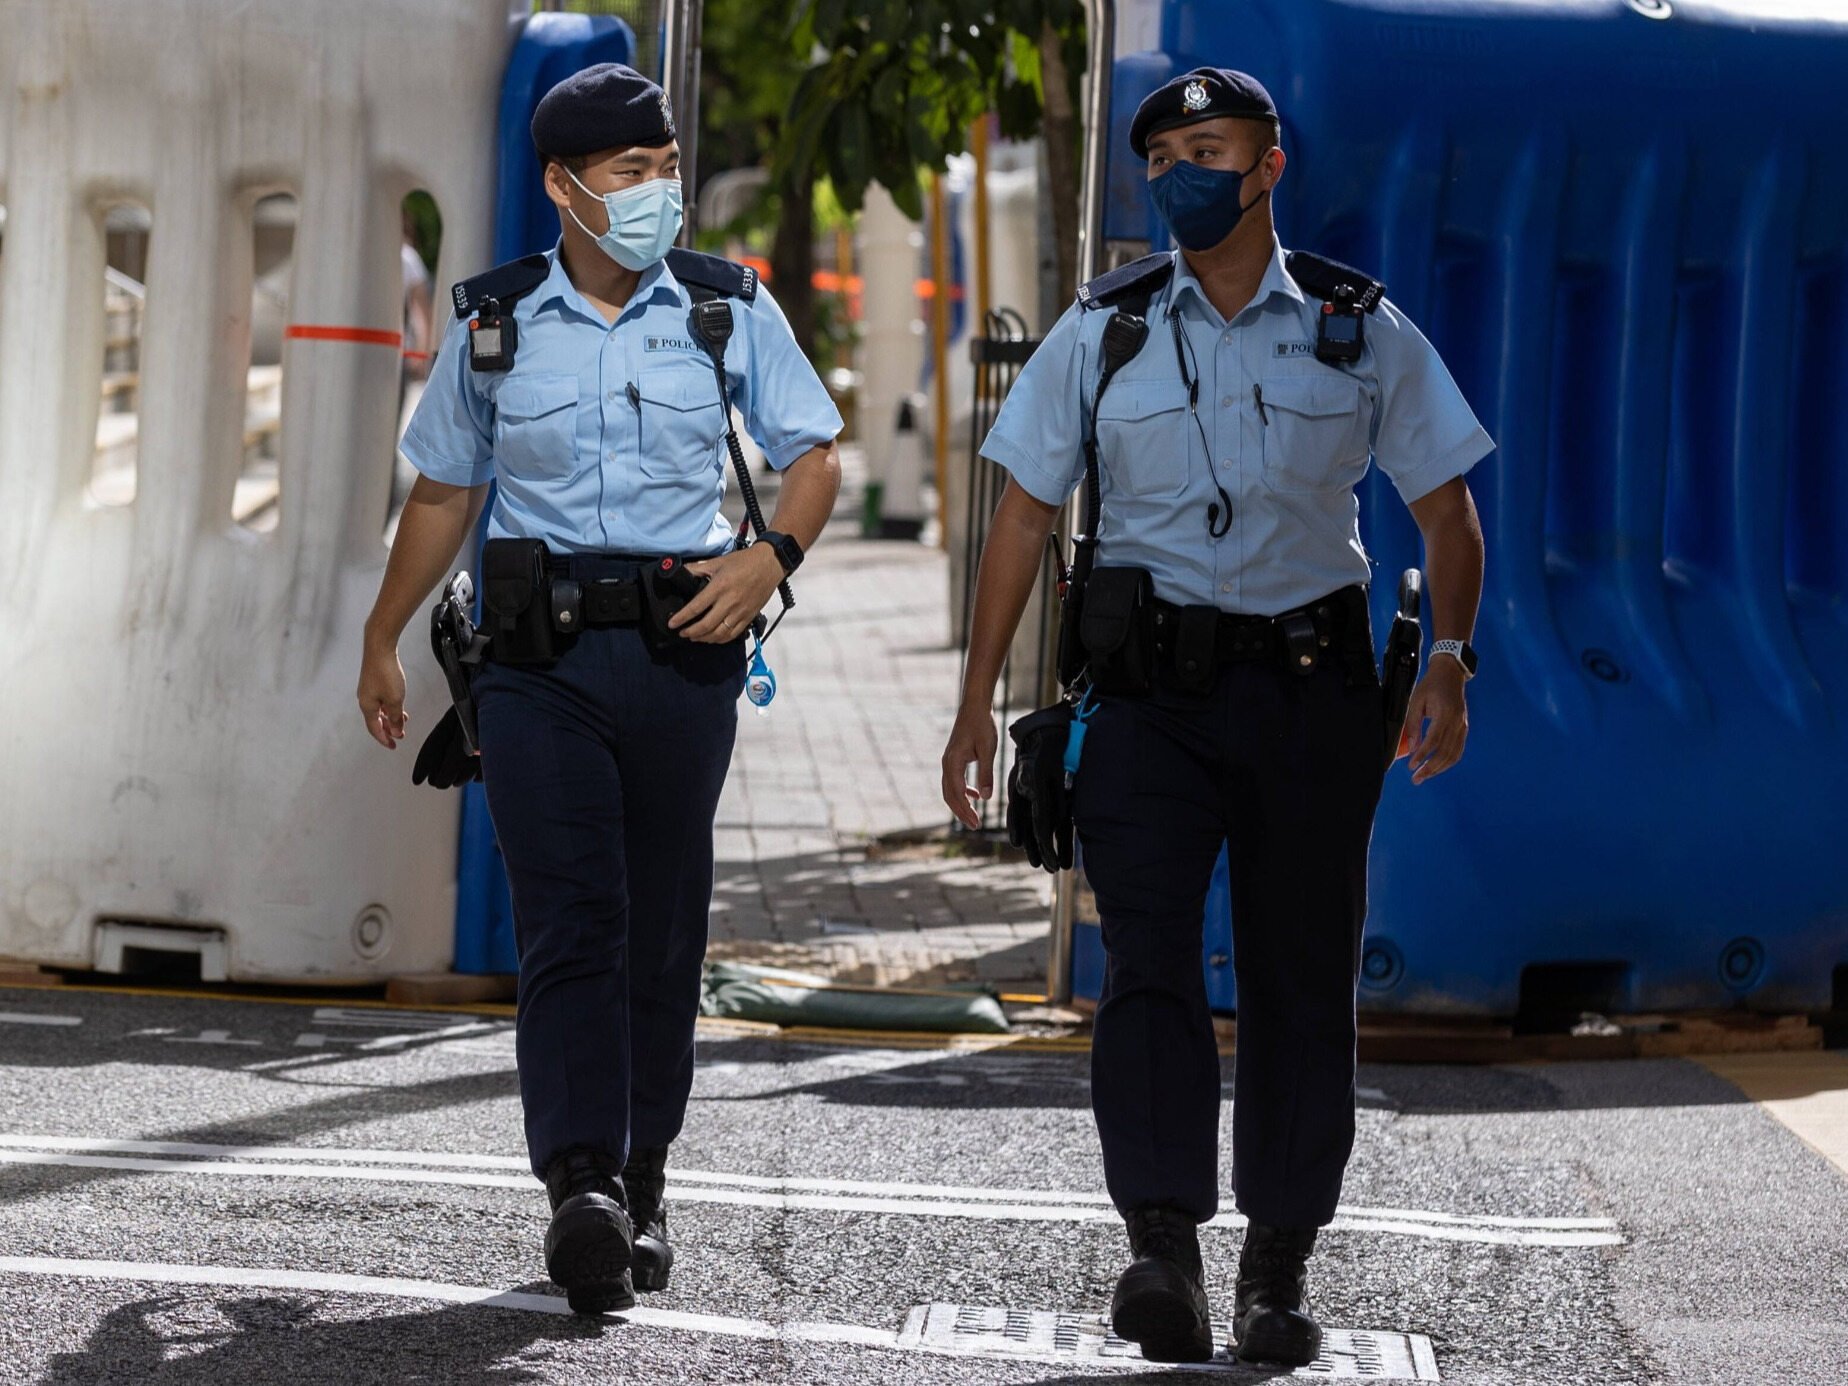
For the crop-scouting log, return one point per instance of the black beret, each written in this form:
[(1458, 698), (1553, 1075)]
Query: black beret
[(608, 106), (1206, 93)]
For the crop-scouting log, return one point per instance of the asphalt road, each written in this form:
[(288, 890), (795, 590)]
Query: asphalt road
[(201, 1191)]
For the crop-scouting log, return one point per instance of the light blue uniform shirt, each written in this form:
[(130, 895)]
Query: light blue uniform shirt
[(609, 437), (1290, 467)]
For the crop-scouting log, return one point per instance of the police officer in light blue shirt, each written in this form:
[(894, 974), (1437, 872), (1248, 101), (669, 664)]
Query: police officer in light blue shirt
[(586, 383), (1232, 692)]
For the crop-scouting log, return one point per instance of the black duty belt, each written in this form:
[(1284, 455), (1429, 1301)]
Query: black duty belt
[(612, 602), (601, 601), (1192, 640)]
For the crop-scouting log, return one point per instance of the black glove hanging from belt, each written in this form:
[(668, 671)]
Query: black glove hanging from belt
[(1047, 747)]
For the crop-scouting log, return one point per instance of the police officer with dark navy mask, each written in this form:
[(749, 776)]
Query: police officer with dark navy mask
[(1234, 396), (592, 384)]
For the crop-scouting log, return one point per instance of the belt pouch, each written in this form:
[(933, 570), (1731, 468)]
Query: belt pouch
[(1302, 642), (515, 597), (1196, 634), (567, 606), (1118, 629), (667, 586)]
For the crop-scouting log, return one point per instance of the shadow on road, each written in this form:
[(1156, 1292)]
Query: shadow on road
[(190, 1340), (936, 1079)]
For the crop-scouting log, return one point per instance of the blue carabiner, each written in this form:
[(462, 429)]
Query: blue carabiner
[(1074, 739)]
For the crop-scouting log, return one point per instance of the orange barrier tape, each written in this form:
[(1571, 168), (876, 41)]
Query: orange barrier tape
[(370, 336)]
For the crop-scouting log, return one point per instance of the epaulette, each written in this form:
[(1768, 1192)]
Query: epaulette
[(507, 284), (713, 272), (1320, 277), (1138, 278)]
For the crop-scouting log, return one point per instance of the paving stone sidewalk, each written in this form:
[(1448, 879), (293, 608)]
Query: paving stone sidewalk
[(848, 755)]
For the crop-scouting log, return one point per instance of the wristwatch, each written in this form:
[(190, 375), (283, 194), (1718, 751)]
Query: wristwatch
[(788, 551), (1459, 650)]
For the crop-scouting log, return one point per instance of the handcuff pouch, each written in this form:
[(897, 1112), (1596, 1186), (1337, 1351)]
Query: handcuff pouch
[(516, 602), (1118, 629)]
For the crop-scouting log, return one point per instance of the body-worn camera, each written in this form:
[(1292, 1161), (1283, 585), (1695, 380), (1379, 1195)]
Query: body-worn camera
[(492, 338), (1340, 334)]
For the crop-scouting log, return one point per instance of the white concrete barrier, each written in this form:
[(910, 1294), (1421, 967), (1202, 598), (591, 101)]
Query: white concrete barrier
[(179, 740)]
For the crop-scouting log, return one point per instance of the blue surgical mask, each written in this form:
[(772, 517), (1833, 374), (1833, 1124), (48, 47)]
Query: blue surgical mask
[(644, 221), (1200, 206)]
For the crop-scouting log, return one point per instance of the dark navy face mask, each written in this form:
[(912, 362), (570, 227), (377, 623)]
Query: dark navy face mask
[(1201, 205)]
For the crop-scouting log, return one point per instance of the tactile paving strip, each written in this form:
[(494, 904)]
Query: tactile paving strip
[(1347, 1353)]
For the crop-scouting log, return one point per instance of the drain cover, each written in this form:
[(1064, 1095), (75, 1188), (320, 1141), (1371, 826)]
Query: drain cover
[(1004, 1332)]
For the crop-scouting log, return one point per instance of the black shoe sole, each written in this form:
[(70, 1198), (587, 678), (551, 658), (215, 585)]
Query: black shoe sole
[(1280, 1348), (653, 1261), (587, 1255), (1163, 1324)]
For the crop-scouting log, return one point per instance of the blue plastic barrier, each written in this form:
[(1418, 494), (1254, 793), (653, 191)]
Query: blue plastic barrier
[(550, 48), (1625, 225)]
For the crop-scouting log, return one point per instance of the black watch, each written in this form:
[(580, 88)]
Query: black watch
[(788, 551)]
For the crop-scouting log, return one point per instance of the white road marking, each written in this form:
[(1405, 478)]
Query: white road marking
[(277, 1171), (31, 1018), (209, 1037), (265, 1279), (743, 1190), (391, 1020), (268, 1152)]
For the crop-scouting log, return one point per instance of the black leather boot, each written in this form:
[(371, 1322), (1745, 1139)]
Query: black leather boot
[(1271, 1321), (1160, 1303), (588, 1245), (645, 1180)]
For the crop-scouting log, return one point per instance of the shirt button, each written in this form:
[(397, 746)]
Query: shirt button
[(1226, 400), (1225, 461), (611, 454), (1225, 587)]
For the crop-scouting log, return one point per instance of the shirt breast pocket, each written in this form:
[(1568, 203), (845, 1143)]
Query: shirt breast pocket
[(681, 426), (1317, 437), (535, 424), (1142, 436)]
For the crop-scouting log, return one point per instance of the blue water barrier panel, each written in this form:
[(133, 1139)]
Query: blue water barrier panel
[(1625, 225)]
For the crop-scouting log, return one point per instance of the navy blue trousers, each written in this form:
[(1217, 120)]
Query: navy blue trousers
[(603, 773), (1286, 769)]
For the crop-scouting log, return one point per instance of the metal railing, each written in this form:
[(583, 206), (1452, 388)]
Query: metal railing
[(998, 354)]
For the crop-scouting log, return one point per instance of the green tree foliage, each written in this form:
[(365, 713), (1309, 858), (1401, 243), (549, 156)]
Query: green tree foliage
[(893, 86)]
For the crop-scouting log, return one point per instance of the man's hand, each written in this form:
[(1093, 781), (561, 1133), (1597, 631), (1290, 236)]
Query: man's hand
[(973, 738), (1438, 719), (381, 693), (742, 582)]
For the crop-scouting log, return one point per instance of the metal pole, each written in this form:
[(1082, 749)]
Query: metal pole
[(978, 147), (680, 76), (940, 349), (1100, 34)]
